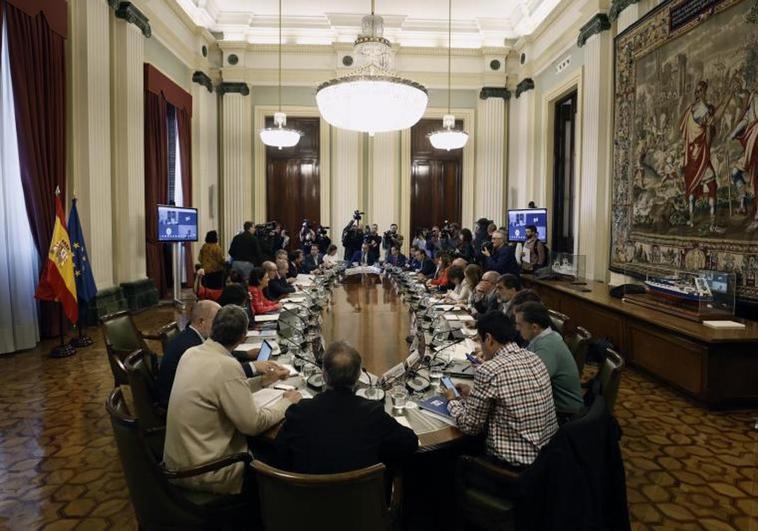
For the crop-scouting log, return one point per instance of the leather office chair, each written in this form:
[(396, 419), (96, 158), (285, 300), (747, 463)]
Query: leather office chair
[(325, 502), (578, 342), (157, 503), (609, 377), (167, 334), (479, 503), (561, 322), (152, 417), (121, 339)]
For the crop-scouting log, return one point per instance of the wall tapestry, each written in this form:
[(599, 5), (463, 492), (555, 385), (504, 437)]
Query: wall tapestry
[(685, 170)]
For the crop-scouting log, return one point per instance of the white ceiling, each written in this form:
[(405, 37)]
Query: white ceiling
[(476, 23)]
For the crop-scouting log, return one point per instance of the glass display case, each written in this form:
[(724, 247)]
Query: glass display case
[(567, 266), (696, 295)]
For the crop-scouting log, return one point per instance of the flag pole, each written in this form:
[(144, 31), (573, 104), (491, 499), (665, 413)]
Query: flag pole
[(63, 350), (81, 341)]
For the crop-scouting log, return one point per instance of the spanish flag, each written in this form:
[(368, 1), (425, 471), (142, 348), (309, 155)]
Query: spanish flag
[(57, 281)]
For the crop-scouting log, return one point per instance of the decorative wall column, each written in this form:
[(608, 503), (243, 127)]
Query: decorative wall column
[(128, 31), (90, 111), (491, 147), (625, 13), (236, 180), (521, 146), (347, 170), (204, 154), (384, 179), (594, 201)]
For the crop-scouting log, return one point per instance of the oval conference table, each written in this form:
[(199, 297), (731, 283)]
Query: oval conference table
[(367, 312)]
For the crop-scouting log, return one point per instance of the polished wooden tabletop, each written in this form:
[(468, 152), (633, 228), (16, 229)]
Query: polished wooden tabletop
[(368, 313)]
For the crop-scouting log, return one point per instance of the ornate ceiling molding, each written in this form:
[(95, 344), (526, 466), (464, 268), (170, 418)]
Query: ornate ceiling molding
[(233, 87), (494, 92), (524, 85), (596, 24), (129, 12), (202, 78), (617, 7)]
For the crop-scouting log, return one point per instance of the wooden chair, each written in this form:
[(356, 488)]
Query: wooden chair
[(152, 417), (480, 500), (578, 342), (158, 504), (326, 502)]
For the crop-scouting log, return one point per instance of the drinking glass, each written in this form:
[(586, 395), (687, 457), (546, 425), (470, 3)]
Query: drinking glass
[(399, 397)]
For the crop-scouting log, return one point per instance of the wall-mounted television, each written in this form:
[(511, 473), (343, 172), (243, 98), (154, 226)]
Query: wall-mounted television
[(177, 224), (519, 219)]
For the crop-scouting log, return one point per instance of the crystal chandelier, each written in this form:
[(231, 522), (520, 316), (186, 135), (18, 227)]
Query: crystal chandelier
[(279, 135), (372, 98), (448, 137)]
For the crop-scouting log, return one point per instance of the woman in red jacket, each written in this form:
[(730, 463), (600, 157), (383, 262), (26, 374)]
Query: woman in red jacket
[(257, 283), (440, 281)]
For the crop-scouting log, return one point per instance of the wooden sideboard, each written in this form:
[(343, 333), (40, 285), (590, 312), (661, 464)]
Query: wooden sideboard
[(716, 367)]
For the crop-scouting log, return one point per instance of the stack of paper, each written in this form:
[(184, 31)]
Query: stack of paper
[(267, 396), (269, 317), (459, 317)]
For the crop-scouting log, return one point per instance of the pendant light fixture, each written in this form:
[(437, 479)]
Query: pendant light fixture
[(448, 137), (279, 135), (372, 98)]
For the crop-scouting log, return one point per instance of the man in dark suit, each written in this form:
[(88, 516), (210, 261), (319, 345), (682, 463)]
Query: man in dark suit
[(426, 265), (338, 431), (278, 285), (245, 250), (502, 258), (196, 332), (485, 298), (313, 260), (364, 256)]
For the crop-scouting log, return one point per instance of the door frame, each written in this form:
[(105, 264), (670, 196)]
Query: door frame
[(260, 112), (467, 171)]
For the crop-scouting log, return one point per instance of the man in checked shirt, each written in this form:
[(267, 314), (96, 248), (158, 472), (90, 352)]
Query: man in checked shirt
[(512, 396)]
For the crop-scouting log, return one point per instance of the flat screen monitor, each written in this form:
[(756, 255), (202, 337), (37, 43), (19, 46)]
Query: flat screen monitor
[(519, 219), (177, 224)]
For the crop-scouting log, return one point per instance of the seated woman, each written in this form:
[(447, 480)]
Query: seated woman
[(257, 283), (201, 291), (457, 279), (443, 264), (471, 277), (330, 258)]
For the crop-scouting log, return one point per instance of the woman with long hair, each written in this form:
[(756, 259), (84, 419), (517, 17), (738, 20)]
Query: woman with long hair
[(256, 284)]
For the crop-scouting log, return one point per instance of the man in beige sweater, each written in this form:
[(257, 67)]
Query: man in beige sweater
[(211, 409)]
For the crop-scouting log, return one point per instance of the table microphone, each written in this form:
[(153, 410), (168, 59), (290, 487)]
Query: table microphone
[(371, 392), (315, 381), (431, 359)]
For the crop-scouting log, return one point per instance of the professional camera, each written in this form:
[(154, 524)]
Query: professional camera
[(265, 229), (358, 214), (323, 230), (446, 233), (488, 245)]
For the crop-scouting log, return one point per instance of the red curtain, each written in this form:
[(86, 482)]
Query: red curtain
[(156, 185), (184, 130), (37, 61)]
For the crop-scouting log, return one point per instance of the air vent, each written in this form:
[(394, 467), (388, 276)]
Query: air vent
[(347, 60), (233, 59), (495, 64), (563, 65), (523, 58)]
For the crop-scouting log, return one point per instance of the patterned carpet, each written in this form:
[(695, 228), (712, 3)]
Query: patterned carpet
[(687, 468)]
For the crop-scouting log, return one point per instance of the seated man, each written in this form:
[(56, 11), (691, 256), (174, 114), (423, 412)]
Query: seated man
[(338, 431), (511, 396), (395, 258), (533, 323), (425, 264), (278, 284), (296, 263), (313, 260), (484, 298), (508, 286), (521, 297), (363, 257), (212, 411)]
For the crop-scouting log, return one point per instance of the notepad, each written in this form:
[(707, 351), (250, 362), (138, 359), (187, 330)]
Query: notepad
[(724, 325), (291, 306), (267, 318), (445, 307), (261, 333), (266, 396), (459, 317)]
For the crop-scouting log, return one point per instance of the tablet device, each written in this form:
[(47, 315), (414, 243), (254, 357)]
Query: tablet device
[(448, 383), (265, 352)]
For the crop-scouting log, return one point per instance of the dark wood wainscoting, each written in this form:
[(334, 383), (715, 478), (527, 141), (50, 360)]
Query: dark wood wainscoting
[(436, 178), (293, 179)]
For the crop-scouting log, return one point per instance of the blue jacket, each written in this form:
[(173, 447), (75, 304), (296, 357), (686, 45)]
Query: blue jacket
[(427, 267), (358, 257), (310, 263), (397, 261), (503, 261)]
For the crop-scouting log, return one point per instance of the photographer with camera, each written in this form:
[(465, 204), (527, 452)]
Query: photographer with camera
[(352, 235), (307, 236), (391, 239), (322, 239), (465, 248), (374, 242), (499, 256)]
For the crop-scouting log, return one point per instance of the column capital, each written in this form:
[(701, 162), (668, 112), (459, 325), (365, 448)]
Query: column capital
[(596, 24), (494, 92), (129, 12), (524, 85), (114, 3), (233, 87), (202, 79), (617, 6)]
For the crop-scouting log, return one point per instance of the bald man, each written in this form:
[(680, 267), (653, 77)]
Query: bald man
[(278, 285), (196, 332), (459, 262), (485, 295)]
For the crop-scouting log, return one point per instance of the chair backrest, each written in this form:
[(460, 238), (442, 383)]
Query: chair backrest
[(144, 395), (559, 321), (154, 504), (609, 377), (329, 502), (168, 333), (578, 343), (119, 330)]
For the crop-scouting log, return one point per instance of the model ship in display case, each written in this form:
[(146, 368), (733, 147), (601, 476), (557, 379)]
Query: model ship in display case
[(681, 289)]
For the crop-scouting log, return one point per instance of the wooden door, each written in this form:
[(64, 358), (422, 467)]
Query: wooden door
[(293, 180), (436, 179), (563, 174)]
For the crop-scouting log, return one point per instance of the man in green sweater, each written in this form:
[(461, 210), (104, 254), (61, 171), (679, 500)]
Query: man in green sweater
[(533, 322)]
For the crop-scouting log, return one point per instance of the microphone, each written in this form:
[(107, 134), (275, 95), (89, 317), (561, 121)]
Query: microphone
[(306, 325), (371, 392), (315, 381), (430, 359), (302, 345)]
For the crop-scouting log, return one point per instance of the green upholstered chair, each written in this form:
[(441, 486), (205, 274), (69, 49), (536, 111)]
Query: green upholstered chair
[(326, 502), (152, 417), (578, 342), (158, 504)]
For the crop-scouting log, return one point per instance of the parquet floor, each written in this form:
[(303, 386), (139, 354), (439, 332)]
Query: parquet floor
[(687, 468)]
